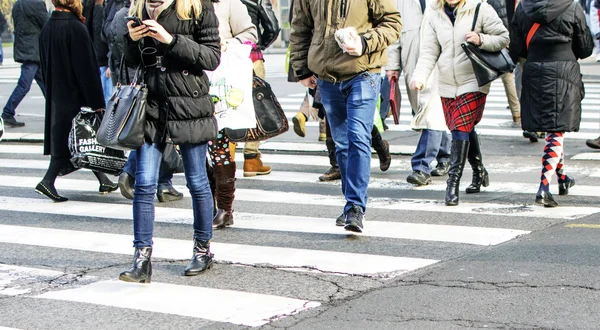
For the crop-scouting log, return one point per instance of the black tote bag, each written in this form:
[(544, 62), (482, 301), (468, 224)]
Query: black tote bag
[(125, 115), (487, 66)]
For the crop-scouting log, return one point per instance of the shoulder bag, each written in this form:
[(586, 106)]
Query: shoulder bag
[(270, 118), (125, 115), (487, 66)]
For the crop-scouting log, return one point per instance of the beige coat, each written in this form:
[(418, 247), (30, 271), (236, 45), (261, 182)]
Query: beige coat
[(235, 24), (441, 44)]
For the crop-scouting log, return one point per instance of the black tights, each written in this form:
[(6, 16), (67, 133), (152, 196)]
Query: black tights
[(57, 164)]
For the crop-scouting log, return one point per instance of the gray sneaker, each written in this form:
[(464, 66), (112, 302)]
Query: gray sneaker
[(354, 219), (341, 220)]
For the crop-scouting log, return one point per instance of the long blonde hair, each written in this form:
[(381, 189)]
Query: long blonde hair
[(182, 7)]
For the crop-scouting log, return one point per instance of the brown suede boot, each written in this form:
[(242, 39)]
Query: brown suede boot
[(225, 193), (253, 166)]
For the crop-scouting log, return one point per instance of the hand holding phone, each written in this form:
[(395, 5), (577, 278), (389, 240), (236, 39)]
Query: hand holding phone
[(136, 21)]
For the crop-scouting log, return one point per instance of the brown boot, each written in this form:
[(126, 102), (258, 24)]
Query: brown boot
[(333, 173), (225, 193), (253, 166)]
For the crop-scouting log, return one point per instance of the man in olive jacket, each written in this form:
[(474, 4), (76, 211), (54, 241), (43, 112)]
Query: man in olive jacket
[(29, 17), (349, 79)]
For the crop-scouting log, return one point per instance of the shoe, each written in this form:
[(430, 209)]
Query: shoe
[(141, 270), (354, 219), (333, 173), (299, 122), (341, 220), (253, 166), (458, 157), (1, 128), (322, 130), (10, 121), (545, 198), (419, 178), (382, 147), (106, 188), (594, 144), (441, 169), (534, 136), (322, 137), (597, 57), (480, 174), (168, 194), (49, 191), (223, 218), (516, 120), (126, 183), (563, 187), (201, 260)]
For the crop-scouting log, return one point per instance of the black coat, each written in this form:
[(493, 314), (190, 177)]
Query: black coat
[(500, 8), (71, 77), (29, 17), (179, 106), (3, 23), (552, 86), (94, 21), (264, 18), (111, 8), (115, 35)]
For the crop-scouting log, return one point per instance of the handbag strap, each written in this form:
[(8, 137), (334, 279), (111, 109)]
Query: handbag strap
[(532, 31), (475, 17)]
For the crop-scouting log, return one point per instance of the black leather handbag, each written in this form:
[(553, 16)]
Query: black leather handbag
[(125, 115), (270, 118), (487, 66)]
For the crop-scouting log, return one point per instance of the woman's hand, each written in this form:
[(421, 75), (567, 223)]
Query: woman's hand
[(392, 74), (138, 32), (473, 37), (158, 32), (416, 85), (310, 82)]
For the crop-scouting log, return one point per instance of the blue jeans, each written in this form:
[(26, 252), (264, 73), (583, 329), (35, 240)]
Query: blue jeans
[(350, 106), (29, 71), (107, 85), (432, 145), (164, 177), (194, 163), (384, 107), (1, 52)]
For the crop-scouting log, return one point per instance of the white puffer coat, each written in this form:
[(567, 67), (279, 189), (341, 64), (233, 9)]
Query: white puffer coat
[(441, 42)]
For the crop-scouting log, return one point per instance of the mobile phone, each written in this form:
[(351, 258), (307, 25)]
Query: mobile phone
[(136, 20)]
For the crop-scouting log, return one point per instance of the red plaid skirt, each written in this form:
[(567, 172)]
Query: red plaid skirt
[(464, 112)]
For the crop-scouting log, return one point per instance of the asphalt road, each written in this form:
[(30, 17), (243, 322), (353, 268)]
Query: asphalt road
[(497, 261)]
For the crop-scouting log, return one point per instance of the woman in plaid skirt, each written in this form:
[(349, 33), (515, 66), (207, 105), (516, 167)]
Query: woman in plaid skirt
[(446, 25)]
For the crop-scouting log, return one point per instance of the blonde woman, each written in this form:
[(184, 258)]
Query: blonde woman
[(176, 42), (447, 25)]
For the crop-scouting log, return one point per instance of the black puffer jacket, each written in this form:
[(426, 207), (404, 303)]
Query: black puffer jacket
[(179, 106), (264, 18), (29, 17), (552, 87), (115, 35), (500, 8), (94, 20)]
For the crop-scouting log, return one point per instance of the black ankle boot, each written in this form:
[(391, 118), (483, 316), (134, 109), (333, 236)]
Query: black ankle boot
[(480, 174), (223, 218), (141, 271), (201, 260), (382, 147), (457, 163), (563, 186), (545, 198)]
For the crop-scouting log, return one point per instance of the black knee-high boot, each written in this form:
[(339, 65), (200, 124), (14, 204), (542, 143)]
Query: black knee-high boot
[(382, 147), (458, 157), (480, 174)]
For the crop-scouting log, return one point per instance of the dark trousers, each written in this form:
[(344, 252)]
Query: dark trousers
[(29, 72)]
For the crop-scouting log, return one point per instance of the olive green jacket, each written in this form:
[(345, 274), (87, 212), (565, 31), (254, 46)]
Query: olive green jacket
[(312, 43)]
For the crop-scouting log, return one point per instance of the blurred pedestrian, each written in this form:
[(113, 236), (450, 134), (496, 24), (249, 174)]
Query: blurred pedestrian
[(3, 26), (551, 35), (446, 27), (176, 42), (434, 143), (93, 11), (29, 17), (348, 76), (235, 27), (69, 68)]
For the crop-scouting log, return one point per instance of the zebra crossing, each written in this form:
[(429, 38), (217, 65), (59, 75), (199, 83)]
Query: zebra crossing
[(283, 256)]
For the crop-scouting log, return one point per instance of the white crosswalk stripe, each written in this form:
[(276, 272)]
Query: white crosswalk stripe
[(422, 223)]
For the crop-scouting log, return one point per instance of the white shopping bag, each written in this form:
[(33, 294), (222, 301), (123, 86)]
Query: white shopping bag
[(231, 87)]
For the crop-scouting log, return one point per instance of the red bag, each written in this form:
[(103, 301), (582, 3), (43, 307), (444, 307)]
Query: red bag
[(395, 100)]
